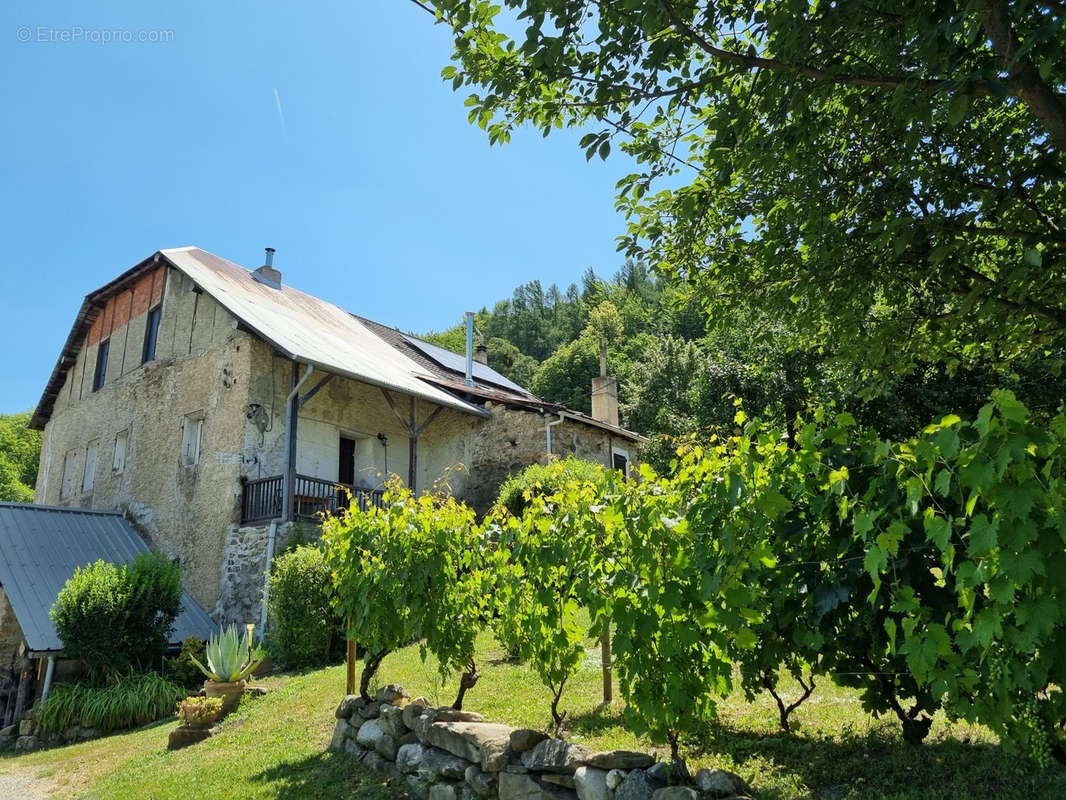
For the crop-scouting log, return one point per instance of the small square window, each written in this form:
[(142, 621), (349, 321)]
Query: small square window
[(122, 439), (101, 365), (151, 334), (191, 433)]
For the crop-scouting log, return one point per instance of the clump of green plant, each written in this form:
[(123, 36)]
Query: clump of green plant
[(139, 601), (182, 667), (546, 479), (133, 699), (199, 710), (305, 630), (229, 657)]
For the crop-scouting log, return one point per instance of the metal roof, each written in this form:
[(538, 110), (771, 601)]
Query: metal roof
[(308, 329), (40, 546), (457, 363)]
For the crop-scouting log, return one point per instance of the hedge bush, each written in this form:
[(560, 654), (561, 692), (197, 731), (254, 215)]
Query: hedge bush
[(305, 630), (546, 479), (117, 617)]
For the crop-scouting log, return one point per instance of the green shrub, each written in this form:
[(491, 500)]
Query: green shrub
[(182, 667), (546, 479), (305, 630), (133, 699), (119, 617)]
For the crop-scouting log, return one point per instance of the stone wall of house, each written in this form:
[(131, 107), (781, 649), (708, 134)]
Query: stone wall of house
[(11, 637), (202, 367), (443, 754)]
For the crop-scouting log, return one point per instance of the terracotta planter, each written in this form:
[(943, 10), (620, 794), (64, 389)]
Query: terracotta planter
[(230, 693)]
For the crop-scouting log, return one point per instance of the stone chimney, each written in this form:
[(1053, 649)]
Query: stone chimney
[(604, 392), (481, 354)]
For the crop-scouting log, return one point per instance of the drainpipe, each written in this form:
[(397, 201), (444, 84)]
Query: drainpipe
[(291, 414), (271, 539), (469, 348), (548, 432), (48, 673)]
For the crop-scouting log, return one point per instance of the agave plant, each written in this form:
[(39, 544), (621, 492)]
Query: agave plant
[(229, 658)]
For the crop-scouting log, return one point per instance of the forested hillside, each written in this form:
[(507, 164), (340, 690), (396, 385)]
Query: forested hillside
[(680, 373)]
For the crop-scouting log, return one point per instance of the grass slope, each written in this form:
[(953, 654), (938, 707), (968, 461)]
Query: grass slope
[(274, 747)]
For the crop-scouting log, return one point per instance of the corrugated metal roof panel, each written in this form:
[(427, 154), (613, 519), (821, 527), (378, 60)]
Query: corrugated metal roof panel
[(457, 363), (40, 546), (307, 328)]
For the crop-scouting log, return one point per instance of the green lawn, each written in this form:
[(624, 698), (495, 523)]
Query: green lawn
[(274, 747)]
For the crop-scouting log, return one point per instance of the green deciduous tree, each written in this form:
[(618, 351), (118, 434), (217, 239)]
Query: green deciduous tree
[(889, 177)]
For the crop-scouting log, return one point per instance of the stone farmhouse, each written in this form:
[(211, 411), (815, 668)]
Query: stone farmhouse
[(215, 407)]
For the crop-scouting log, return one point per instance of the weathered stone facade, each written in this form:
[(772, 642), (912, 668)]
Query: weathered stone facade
[(443, 754), (199, 391)]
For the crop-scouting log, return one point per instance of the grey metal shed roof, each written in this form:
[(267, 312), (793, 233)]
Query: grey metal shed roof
[(40, 546)]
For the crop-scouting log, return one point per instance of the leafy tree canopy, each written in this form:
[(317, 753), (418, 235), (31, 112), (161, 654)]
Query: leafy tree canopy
[(886, 176), (20, 452)]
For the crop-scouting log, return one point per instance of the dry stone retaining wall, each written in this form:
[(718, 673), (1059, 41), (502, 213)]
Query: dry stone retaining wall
[(444, 754)]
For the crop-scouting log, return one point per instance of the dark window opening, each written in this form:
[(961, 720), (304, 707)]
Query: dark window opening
[(101, 364), (620, 463), (151, 335)]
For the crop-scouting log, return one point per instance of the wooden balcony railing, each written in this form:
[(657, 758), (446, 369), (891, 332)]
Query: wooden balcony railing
[(263, 498)]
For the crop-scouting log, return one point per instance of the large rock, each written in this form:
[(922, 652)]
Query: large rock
[(27, 727), (676, 793), (374, 761), (413, 710), (442, 791), (391, 694), (719, 783), (341, 733), (409, 757), (387, 747), (636, 786), (349, 705), (27, 744), (614, 778), (481, 742), (483, 784), (558, 779), (370, 733), (355, 750), (451, 715), (591, 783), (523, 739), (391, 719), (10, 730), (527, 787), (658, 773), (368, 710), (555, 755), (439, 764), (422, 723), (621, 759)]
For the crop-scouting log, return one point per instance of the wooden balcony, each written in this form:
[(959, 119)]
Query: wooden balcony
[(262, 498)]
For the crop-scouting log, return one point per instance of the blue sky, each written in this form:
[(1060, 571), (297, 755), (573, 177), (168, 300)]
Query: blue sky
[(376, 192)]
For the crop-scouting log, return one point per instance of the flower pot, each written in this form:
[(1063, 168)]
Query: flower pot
[(229, 692)]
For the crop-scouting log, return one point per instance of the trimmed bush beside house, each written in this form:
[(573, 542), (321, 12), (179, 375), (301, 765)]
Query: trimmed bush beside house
[(140, 602), (305, 631), (546, 479)]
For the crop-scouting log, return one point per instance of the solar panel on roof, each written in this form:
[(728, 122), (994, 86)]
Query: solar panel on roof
[(457, 363)]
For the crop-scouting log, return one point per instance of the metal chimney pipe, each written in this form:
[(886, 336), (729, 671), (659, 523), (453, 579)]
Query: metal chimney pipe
[(469, 348), (270, 257)]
